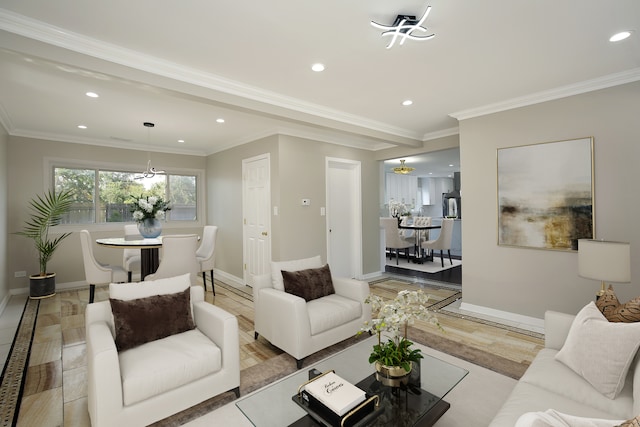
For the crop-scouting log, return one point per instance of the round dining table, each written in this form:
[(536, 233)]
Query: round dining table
[(149, 250)]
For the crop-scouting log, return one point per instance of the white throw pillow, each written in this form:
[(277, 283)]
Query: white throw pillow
[(599, 351), (295, 265), (552, 418)]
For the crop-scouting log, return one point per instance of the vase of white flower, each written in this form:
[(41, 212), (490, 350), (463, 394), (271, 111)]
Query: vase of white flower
[(149, 212), (394, 358)]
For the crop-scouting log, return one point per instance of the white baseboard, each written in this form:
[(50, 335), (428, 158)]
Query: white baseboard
[(505, 315), (228, 278), (369, 276)]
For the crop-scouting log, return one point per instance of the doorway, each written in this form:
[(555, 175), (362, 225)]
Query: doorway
[(344, 217), (256, 211)]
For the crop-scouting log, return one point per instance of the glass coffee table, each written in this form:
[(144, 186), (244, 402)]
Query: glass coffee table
[(420, 404)]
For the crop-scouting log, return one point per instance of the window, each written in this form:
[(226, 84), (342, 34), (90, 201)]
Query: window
[(103, 195)]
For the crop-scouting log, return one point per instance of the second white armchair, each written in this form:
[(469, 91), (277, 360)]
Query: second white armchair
[(300, 327)]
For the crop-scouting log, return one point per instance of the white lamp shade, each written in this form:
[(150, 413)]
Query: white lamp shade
[(604, 261)]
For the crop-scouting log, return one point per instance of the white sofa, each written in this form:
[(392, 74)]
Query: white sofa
[(550, 384), (301, 328), (152, 381)]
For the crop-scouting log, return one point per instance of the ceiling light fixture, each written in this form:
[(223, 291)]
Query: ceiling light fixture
[(620, 36), (150, 172), (407, 102), (220, 120), (402, 169), (403, 27), (92, 95), (317, 67)]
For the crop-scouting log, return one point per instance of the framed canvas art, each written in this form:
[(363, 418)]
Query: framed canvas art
[(545, 194)]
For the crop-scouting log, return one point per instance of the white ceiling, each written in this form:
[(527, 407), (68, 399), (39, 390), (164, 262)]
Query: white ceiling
[(183, 64)]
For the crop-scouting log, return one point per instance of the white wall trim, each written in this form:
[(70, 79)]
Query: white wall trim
[(230, 279), (504, 315), (552, 94)]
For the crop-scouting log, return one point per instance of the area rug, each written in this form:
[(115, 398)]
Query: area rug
[(434, 266)]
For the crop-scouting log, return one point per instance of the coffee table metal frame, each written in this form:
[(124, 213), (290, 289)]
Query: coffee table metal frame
[(272, 406)]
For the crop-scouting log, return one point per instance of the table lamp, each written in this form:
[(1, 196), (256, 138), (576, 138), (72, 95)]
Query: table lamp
[(604, 261)]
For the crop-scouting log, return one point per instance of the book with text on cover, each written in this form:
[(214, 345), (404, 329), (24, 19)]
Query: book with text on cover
[(335, 393)]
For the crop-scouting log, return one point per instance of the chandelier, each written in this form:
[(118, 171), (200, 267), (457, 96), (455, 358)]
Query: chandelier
[(402, 169), (151, 171), (405, 27)]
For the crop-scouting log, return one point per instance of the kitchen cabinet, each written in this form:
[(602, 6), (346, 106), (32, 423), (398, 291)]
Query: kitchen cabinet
[(402, 188)]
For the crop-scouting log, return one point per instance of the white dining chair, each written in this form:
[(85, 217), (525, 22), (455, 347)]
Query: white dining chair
[(131, 258), (205, 254), (443, 241), (178, 257), (392, 237), (97, 273)]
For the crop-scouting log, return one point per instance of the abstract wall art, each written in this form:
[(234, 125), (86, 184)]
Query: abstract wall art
[(545, 194)]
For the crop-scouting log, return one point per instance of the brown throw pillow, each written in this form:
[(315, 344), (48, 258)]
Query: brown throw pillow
[(148, 319), (309, 284), (611, 308), (635, 422)]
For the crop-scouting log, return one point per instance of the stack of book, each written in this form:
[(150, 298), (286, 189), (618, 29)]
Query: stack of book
[(332, 400)]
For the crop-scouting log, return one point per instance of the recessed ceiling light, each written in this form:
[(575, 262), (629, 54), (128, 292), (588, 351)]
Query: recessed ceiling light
[(318, 67), (450, 166), (221, 120), (92, 95), (82, 127), (181, 141), (407, 102), (620, 36)]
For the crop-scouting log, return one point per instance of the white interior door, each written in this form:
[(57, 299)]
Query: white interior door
[(256, 196), (344, 217)]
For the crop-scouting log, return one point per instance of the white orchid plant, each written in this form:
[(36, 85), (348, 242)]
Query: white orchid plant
[(397, 208), (393, 319), (149, 207)]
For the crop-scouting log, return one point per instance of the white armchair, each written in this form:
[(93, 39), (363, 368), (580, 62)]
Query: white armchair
[(301, 328), (149, 382)]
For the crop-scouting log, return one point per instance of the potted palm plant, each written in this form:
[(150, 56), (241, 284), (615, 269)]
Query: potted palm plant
[(393, 354), (46, 211)]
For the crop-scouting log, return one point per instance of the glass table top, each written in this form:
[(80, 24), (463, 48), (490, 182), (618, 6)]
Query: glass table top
[(272, 405)]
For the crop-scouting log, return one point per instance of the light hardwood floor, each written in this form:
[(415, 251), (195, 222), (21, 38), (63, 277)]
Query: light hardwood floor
[(55, 389)]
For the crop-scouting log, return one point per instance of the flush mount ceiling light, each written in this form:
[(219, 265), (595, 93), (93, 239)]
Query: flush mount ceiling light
[(620, 36), (151, 171), (318, 67), (403, 27), (402, 169)]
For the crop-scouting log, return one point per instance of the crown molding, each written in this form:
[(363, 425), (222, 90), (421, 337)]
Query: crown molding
[(440, 134), (603, 82), (41, 31)]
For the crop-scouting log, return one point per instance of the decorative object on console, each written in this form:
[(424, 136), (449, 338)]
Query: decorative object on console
[(403, 28), (609, 305), (605, 261), (148, 213), (394, 358)]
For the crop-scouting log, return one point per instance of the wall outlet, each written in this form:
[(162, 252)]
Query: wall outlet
[(20, 274)]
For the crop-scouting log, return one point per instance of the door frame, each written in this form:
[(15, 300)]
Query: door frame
[(267, 157), (355, 168)]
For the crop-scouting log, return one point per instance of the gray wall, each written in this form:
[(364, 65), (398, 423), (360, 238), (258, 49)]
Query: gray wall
[(297, 171), (529, 281), (4, 283), (26, 179)]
